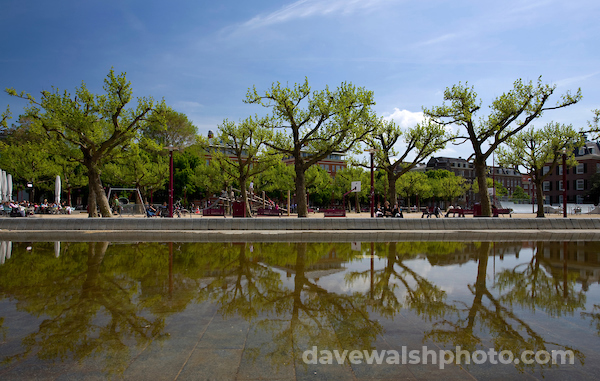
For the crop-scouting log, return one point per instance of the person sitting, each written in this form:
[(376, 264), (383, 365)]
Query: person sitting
[(150, 210), (387, 211), (397, 212), (437, 211), (378, 211)]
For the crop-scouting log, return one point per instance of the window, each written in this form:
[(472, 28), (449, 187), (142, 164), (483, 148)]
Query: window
[(591, 151), (560, 169), (579, 169), (581, 151), (560, 185), (580, 184), (546, 186), (545, 170), (560, 199)]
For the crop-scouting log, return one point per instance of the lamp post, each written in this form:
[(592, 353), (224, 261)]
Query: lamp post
[(372, 153), (171, 149), (564, 177)]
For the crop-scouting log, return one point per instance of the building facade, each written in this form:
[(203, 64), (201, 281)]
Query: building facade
[(578, 179)]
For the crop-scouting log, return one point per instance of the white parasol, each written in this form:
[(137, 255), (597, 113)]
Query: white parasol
[(9, 186), (57, 188)]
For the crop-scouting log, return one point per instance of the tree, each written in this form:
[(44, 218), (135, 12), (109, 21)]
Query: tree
[(239, 152), (419, 142), (490, 183), (414, 184), (172, 128), (446, 184), (594, 124), (535, 150), (6, 115), (519, 194), (343, 183), (510, 113), (329, 122), (92, 127), (319, 186)]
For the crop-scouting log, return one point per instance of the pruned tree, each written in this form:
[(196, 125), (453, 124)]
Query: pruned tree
[(92, 127), (509, 114), (239, 150), (418, 143), (311, 125), (535, 149)]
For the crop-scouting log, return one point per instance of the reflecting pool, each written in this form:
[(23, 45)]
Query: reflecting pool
[(295, 311)]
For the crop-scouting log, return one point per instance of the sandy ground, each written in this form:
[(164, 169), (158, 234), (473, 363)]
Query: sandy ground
[(78, 214)]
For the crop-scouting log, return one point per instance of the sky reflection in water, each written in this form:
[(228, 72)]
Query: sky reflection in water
[(243, 310)]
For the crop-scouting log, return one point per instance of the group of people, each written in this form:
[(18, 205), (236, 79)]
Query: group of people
[(26, 208), (387, 211)]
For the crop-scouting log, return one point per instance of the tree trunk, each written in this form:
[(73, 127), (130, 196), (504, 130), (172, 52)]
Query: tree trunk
[(392, 188), (480, 173), (301, 192), (97, 197), (539, 194), (242, 181)]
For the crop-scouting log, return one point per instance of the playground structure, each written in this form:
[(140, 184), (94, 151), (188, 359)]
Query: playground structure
[(130, 207), (258, 205)]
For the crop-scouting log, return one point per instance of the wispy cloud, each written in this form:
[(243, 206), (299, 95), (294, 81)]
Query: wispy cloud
[(308, 8), (440, 39), (572, 80)]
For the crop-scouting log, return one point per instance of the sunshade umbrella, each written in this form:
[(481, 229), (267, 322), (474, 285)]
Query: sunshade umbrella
[(3, 182), (9, 186), (57, 190)]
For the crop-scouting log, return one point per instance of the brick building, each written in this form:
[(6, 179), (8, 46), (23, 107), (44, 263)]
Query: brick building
[(578, 178)]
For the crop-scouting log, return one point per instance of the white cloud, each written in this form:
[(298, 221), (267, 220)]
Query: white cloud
[(404, 118), (309, 8), (187, 106)]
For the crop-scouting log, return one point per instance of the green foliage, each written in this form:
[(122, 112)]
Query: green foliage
[(419, 142), (91, 129), (414, 184), (594, 125), (509, 114), (446, 185), (519, 194), (310, 125), (319, 186), (6, 115), (170, 128), (532, 149)]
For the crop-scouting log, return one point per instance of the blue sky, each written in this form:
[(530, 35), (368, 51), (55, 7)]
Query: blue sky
[(202, 56)]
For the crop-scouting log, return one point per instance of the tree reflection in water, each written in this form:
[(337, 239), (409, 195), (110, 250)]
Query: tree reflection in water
[(111, 302)]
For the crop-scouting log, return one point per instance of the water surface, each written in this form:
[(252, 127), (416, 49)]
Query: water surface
[(261, 310)]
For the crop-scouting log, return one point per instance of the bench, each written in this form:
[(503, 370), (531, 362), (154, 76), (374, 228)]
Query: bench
[(459, 211), (214, 212), (334, 213), (268, 212), (496, 212)]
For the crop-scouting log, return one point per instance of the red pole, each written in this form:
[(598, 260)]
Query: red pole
[(372, 188), (171, 184), (564, 170)]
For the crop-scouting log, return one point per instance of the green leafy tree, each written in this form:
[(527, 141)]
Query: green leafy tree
[(418, 142), (171, 128), (277, 180), (312, 125), (92, 127), (446, 185), (490, 183), (414, 184), (239, 151), (509, 114), (342, 183), (319, 186), (535, 149), (519, 194)]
